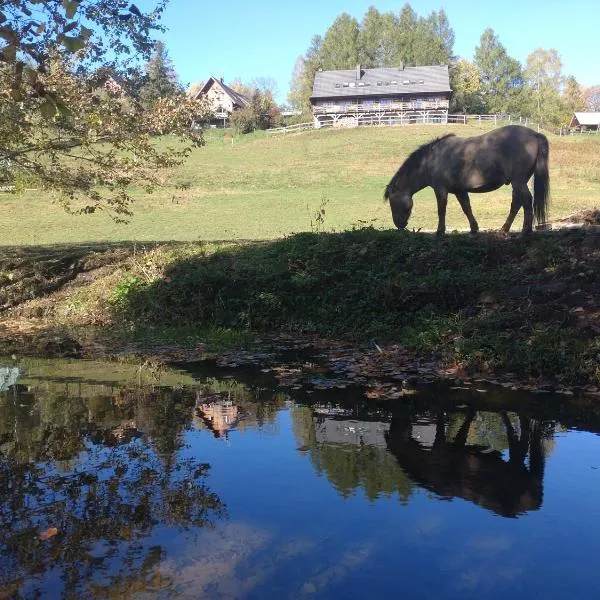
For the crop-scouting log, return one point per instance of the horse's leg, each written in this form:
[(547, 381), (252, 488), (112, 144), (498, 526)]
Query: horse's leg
[(465, 203), (527, 202), (441, 196), (515, 205)]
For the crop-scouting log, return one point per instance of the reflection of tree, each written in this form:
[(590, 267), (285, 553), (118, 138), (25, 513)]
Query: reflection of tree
[(105, 469), (350, 466)]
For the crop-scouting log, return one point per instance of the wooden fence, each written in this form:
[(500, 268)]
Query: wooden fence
[(497, 119)]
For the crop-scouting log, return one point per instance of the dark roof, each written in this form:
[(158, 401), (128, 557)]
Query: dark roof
[(237, 98), (381, 82)]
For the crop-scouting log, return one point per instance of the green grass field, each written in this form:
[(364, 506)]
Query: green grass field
[(260, 187)]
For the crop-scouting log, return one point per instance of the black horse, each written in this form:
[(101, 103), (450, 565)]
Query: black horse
[(449, 164)]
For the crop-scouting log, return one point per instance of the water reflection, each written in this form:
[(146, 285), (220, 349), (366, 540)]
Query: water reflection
[(461, 454), (106, 490), (83, 480), (348, 446)]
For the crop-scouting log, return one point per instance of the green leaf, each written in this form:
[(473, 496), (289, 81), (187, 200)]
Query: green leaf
[(8, 53), (48, 109), (85, 33), (70, 7), (73, 44), (63, 109)]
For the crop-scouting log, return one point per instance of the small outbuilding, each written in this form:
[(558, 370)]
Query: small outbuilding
[(585, 121)]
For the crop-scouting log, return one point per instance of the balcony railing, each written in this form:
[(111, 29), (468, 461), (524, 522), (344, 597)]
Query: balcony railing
[(361, 107)]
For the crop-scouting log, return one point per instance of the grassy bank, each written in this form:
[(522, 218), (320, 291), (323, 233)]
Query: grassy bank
[(259, 187), (484, 304)]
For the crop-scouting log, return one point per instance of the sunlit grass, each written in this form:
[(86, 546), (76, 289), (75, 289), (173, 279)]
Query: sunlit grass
[(260, 187)]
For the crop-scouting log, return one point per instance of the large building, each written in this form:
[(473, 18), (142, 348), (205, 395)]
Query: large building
[(398, 95)]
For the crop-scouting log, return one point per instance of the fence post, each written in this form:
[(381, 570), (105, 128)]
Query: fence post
[(495, 119)]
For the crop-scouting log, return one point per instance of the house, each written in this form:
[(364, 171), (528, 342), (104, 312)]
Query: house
[(223, 100), (381, 96), (585, 121)]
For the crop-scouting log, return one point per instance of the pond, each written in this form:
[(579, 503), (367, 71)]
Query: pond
[(119, 481)]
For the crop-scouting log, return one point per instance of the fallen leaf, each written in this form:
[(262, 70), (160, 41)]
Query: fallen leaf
[(50, 532)]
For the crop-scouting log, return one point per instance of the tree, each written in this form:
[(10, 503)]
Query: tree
[(573, 97), (377, 41), (260, 114), (592, 98), (194, 88), (296, 85), (304, 74), (161, 78), (71, 122), (543, 74), (501, 75), (467, 90), (433, 40), (405, 35), (340, 44)]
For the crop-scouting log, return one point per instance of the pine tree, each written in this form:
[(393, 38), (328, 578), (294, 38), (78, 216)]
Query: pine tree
[(161, 78)]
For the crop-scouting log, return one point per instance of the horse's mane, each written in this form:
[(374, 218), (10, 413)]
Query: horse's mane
[(413, 161)]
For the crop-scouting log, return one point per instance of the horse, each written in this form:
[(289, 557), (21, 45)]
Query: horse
[(453, 165)]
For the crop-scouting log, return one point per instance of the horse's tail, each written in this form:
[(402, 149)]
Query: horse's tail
[(386, 194), (541, 182)]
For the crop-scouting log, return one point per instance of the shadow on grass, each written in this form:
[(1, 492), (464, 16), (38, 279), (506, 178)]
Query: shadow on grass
[(526, 305), (487, 300)]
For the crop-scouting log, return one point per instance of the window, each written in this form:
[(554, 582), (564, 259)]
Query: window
[(385, 102)]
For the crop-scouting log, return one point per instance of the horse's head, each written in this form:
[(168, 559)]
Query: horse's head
[(401, 203)]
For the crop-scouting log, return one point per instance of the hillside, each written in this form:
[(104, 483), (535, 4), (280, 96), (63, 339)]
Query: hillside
[(259, 187), (461, 305)]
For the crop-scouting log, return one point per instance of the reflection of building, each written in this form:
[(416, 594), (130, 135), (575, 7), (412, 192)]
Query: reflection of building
[(219, 416), (8, 377), (350, 431)]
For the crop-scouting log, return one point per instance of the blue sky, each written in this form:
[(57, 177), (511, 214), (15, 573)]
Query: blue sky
[(250, 39)]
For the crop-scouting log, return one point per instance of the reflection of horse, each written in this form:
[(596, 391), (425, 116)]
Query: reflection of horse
[(451, 468), (510, 154)]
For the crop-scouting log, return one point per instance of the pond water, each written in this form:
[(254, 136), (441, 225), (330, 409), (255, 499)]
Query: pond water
[(119, 482)]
